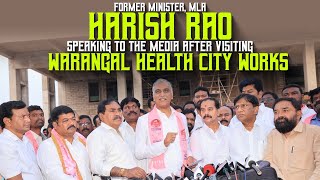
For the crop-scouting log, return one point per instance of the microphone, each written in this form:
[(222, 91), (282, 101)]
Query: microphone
[(198, 173), (253, 165), (168, 178), (240, 166), (232, 167), (188, 174), (157, 177), (225, 169), (149, 177), (263, 164), (208, 170)]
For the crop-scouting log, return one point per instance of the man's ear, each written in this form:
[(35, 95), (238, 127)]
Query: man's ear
[(299, 115), (260, 95), (256, 110), (7, 122), (54, 124)]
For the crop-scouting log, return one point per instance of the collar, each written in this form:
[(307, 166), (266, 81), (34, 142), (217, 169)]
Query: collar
[(299, 127), (206, 128), (35, 135), (10, 135), (262, 107), (172, 111), (256, 124)]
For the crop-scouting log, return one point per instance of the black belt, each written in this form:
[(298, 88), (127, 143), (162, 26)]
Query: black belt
[(103, 177)]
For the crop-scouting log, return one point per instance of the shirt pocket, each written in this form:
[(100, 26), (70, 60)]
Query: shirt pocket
[(297, 157)]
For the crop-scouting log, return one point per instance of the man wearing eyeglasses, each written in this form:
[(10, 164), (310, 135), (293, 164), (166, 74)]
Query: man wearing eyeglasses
[(85, 125), (247, 139)]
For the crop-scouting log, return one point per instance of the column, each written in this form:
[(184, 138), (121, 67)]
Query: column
[(137, 82), (45, 98), (62, 93), (12, 80), (121, 85), (309, 66)]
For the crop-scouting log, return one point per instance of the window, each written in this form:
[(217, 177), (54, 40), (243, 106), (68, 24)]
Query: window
[(184, 88), (93, 92), (112, 90)]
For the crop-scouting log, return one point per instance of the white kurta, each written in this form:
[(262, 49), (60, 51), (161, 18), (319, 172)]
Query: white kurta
[(129, 136), (107, 149), (172, 154), (50, 164), (212, 147), (198, 121), (248, 144), (17, 156)]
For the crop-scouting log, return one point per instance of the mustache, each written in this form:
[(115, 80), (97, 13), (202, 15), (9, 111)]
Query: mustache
[(190, 125), (207, 115), (72, 126), (117, 117), (132, 112), (223, 120), (85, 129), (282, 118)]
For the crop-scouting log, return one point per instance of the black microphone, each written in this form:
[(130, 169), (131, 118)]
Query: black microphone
[(188, 174), (157, 177), (149, 177), (223, 169), (232, 167), (240, 166), (263, 164), (253, 165), (168, 178)]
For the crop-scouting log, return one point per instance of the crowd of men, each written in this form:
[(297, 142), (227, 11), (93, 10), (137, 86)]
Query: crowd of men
[(124, 142)]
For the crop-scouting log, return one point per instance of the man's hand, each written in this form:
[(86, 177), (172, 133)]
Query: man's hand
[(169, 138), (190, 161), (135, 173)]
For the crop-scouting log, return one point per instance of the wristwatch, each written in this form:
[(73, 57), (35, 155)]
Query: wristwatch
[(122, 170)]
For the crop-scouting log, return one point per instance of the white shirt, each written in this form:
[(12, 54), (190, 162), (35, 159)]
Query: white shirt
[(244, 143), (265, 115), (38, 138), (129, 135), (198, 121), (50, 164), (108, 149), (210, 146), (172, 154), (306, 113), (17, 156)]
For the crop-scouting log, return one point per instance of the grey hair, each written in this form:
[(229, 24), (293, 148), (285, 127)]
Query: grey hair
[(158, 81)]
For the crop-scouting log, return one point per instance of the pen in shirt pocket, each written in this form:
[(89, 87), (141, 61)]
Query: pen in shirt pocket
[(292, 149)]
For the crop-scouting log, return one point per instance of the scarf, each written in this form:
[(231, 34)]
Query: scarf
[(33, 140), (156, 135), (69, 165)]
